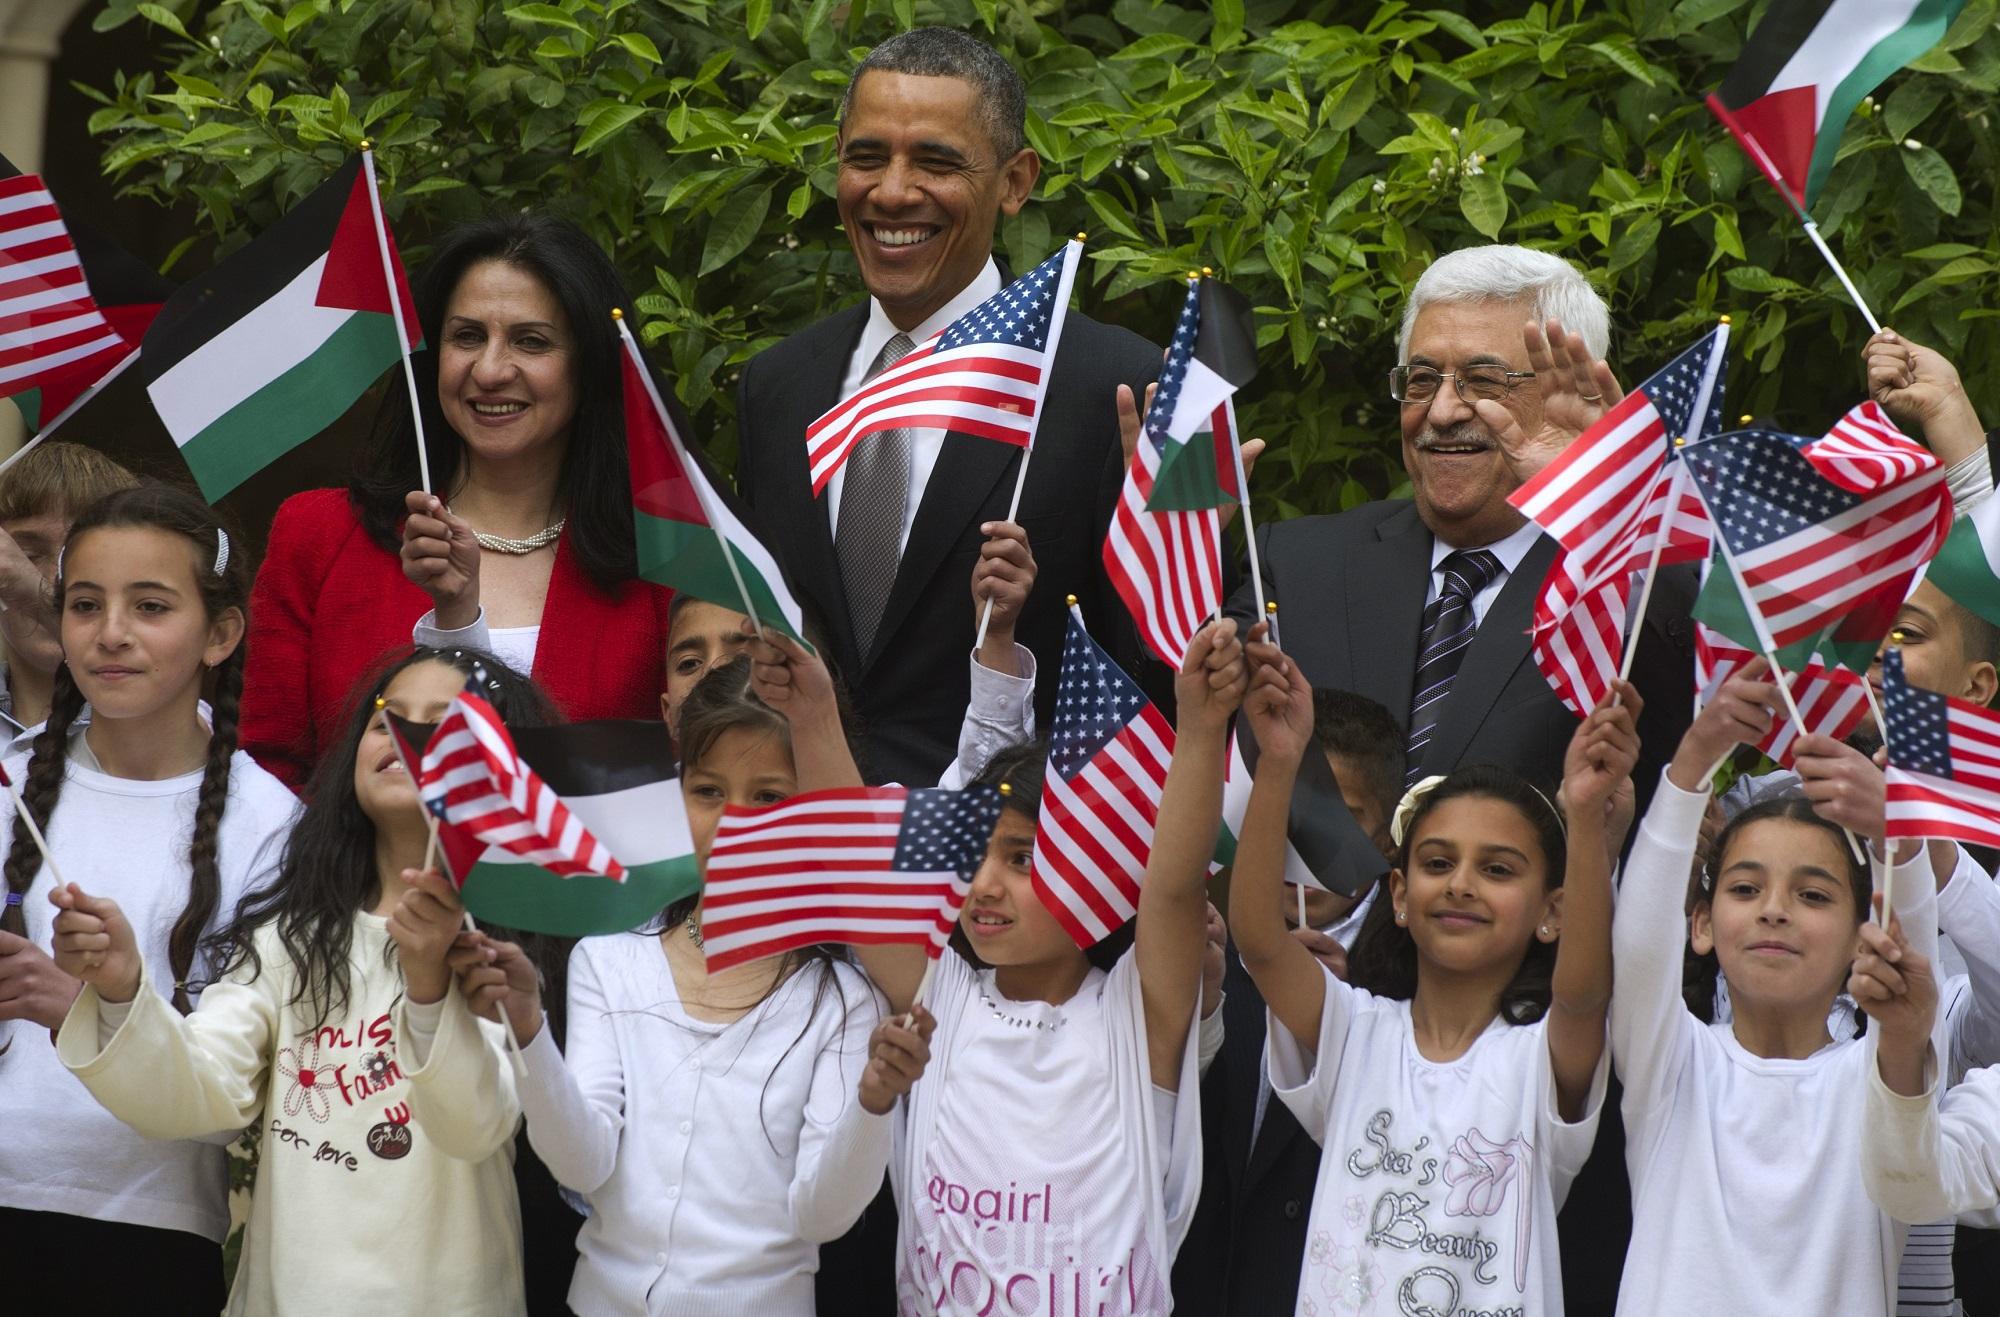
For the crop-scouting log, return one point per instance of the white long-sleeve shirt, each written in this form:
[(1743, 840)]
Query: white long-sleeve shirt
[(352, 1198), (1717, 1138), (716, 1158)]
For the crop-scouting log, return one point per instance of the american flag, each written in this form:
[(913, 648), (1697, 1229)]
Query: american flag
[(48, 320), (1608, 500), (1944, 762), (1109, 750), (860, 865), (1823, 535), (476, 783), (984, 374), (1167, 565), (1831, 699)]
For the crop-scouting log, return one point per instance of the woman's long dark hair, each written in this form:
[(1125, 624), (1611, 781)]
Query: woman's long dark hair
[(1701, 971), (1384, 957), (328, 869), (150, 506), (594, 489)]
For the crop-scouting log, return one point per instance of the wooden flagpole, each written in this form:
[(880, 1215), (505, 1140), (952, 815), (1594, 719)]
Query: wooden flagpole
[(395, 287), (1771, 171)]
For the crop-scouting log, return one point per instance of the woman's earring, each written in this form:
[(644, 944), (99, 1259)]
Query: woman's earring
[(1545, 930), (1400, 917)]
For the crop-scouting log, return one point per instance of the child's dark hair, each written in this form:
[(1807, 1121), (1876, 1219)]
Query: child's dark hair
[(1358, 729), (1700, 972), (1384, 956), (1021, 769), (328, 870), (221, 571)]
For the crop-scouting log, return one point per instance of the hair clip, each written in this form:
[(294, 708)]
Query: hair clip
[(60, 550), (1406, 808), (1562, 824), (221, 550)]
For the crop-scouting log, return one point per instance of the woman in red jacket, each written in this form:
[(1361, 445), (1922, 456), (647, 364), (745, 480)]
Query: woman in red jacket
[(521, 401)]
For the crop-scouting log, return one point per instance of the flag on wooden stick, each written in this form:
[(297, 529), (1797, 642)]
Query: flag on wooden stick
[(1831, 699), (1943, 778), (276, 342), (861, 865)]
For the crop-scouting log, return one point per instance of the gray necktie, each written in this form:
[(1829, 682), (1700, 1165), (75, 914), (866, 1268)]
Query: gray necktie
[(874, 495)]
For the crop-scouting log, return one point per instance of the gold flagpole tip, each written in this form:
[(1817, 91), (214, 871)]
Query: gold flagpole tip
[(381, 701), (1006, 788), (1680, 441), (1207, 271), (1271, 607), (367, 144), (1072, 600), (617, 313), (1725, 320), (1080, 237), (1193, 275), (1745, 419)]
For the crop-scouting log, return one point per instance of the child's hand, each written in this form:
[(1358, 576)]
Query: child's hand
[(1601, 754), (1898, 989), (1740, 714), (1326, 950), (896, 1060), (441, 557), (1212, 677), (31, 986), (94, 943), (424, 925), (1844, 785), (1212, 963), (1280, 703), (495, 976), (791, 679), (1003, 576)]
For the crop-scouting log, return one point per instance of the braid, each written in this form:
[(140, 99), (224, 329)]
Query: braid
[(204, 870), (46, 769)]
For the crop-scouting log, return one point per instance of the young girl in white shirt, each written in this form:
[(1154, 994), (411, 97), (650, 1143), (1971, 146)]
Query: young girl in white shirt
[(710, 1120), (159, 810), (1046, 1107), (1755, 1121), (1457, 1099), (332, 1010)]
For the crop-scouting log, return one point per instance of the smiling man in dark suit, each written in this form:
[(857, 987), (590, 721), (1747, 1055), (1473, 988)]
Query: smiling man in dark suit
[(932, 154)]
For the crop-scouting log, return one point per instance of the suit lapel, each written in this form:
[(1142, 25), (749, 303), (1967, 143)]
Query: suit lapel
[(967, 469), (1498, 649), (1386, 583), (809, 557)]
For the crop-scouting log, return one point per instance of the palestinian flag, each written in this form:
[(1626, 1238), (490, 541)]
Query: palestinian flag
[(1806, 67), (688, 537), (73, 304), (1214, 353), (274, 344), (1324, 846), (1968, 566), (617, 779)]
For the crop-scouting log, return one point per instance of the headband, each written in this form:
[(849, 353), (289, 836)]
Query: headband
[(1413, 799), (221, 554)]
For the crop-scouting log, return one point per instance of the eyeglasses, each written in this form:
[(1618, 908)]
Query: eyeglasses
[(1412, 384)]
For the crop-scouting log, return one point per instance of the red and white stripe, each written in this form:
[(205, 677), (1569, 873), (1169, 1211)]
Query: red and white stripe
[(474, 779), (1166, 566), (48, 320), (820, 868), (1865, 451), (1095, 832), (1964, 807), (1832, 700)]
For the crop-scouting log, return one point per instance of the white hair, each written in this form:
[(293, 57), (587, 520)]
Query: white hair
[(1505, 273)]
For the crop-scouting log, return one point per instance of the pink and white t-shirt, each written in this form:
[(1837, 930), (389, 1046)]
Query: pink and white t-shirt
[(1439, 1182), (1037, 1169)]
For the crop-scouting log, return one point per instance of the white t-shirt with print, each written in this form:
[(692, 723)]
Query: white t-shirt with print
[(1439, 1182)]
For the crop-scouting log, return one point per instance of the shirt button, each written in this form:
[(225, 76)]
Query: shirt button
[(660, 1258), (674, 1192), (695, 1064), (687, 1127), (1291, 1209)]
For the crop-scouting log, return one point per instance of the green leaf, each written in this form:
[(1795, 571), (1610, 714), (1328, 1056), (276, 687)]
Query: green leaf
[(1156, 46), (1228, 29), (1634, 243), (1910, 104), (435, 183), (1623, 57), (1752, 279), (610, 121), (733, 227), (639, 45), (1930, 172), (1483, 202), (259, 97), (211, 131), (1941, 251), (1728, 237), (755, 15), (161, 16), (548, 15)]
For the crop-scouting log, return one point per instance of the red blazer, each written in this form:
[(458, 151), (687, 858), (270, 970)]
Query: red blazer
[(329, 602)]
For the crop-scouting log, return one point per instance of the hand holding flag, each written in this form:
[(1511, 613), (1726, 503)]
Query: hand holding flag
[(93, 942)]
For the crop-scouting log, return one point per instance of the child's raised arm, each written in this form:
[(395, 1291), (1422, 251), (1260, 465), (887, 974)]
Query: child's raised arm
[(1279, 710), (1600, 760), (1173, 900)]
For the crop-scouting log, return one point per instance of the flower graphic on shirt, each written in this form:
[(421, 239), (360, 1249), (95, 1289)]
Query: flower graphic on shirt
[(1350, 1282), (1354, 1211), (1479, 1172), (309, 1081)]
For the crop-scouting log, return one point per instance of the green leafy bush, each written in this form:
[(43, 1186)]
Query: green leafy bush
[(1316, 154)]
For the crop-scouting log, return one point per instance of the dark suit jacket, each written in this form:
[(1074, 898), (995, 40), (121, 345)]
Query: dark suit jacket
[(1246, 1245), (1350, 589), (911, 691)]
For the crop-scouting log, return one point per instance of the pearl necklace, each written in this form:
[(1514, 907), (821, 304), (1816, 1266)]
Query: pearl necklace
[(501, 544)]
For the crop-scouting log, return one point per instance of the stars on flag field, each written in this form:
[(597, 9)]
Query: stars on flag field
[(1762, 487), (1094, 702)]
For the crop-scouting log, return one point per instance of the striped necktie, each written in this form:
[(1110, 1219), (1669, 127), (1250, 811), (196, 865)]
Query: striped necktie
[(874, 500), (1449, 626)]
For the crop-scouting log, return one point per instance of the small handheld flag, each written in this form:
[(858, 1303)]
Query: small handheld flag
[(1831, 700), (1943, 778), (860, 865), (1968, 566), (1324, 846)]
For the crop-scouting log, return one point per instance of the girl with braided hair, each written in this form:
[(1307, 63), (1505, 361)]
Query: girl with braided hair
[(158, 810)]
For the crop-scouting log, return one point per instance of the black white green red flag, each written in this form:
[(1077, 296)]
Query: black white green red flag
[(688, 536), (1806, 67), (272, 345)]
